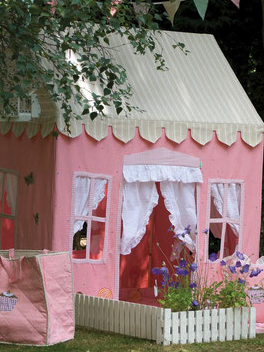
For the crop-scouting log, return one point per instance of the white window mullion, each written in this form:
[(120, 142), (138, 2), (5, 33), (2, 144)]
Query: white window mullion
[(89, 221), (97, 218)]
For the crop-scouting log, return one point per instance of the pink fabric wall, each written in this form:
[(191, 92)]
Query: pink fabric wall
[(82, 153), (37, 155), (50, 195)]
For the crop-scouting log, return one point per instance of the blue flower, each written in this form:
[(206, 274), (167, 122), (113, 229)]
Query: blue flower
[(193, 267), (183, 263), (174, 284), (180, 271), (232, 269), (238, 264), (259, 271), (195, 304), (242, 282), (222, 263), (155, 271), (187, 229), (240, 255), (193, 285), (213, 257), (245, 269), (255, 273), (163, 270)]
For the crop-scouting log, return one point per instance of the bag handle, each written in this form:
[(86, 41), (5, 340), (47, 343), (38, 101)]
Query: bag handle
[(11, 253), (13, 268)]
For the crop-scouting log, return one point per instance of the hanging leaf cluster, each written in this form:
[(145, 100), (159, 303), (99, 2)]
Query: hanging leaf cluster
[(37, 37)]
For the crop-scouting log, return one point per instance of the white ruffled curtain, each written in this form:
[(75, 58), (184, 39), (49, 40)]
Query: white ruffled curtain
[(139, 200), (82, 190), (158, 173), (11, 190), (179, 199), (177, 185), (233, 205)]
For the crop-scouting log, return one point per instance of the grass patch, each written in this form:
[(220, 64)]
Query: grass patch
[(91, 340)]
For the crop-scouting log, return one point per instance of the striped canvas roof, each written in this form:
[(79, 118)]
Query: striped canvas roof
[(199, 92)]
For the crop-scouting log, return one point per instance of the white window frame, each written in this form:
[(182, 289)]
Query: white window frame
[(224, 219), (35, 108), (2, 214), (89, 218)]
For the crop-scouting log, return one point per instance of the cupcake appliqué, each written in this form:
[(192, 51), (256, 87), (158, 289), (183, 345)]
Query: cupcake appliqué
[(7, 301)]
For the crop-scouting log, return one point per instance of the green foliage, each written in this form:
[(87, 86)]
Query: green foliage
[(232, 294), (35, 40), (179, 299), (207, 296)]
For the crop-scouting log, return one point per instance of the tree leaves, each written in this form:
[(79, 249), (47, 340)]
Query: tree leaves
[(73, 38)]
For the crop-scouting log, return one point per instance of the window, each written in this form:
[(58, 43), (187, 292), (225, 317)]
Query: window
[(224, 217), (8, 201), (90, 214), (28, 108)]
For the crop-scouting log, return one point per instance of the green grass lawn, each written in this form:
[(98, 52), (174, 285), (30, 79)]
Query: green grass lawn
[(93, 340)]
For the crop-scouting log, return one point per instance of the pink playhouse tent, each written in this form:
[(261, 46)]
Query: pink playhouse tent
[(109, 191)]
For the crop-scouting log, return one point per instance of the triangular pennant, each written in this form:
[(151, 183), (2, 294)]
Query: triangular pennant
[(236, 2), (171, 8), (201, 6)]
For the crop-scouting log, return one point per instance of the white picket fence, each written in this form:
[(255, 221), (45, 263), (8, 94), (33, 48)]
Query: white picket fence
[(162, 325), (208, 325), (117, 316)]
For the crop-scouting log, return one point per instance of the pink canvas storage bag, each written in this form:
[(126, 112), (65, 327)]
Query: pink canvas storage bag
[(36, 297)]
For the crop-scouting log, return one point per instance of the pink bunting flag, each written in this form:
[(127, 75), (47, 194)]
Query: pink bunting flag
[(236, 2)]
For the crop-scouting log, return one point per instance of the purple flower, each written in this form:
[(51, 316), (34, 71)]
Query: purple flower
[(180, 271), (222, 263), (187, 229), (213, 257), (193, 267), (163, 270), (232, 269), (242, 282), (245, 269), (238, 264), (195, 304), (205, 231), (193, 285), (240, 255), (174, 284), (255, 273), (183, 263), (155, 271)]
